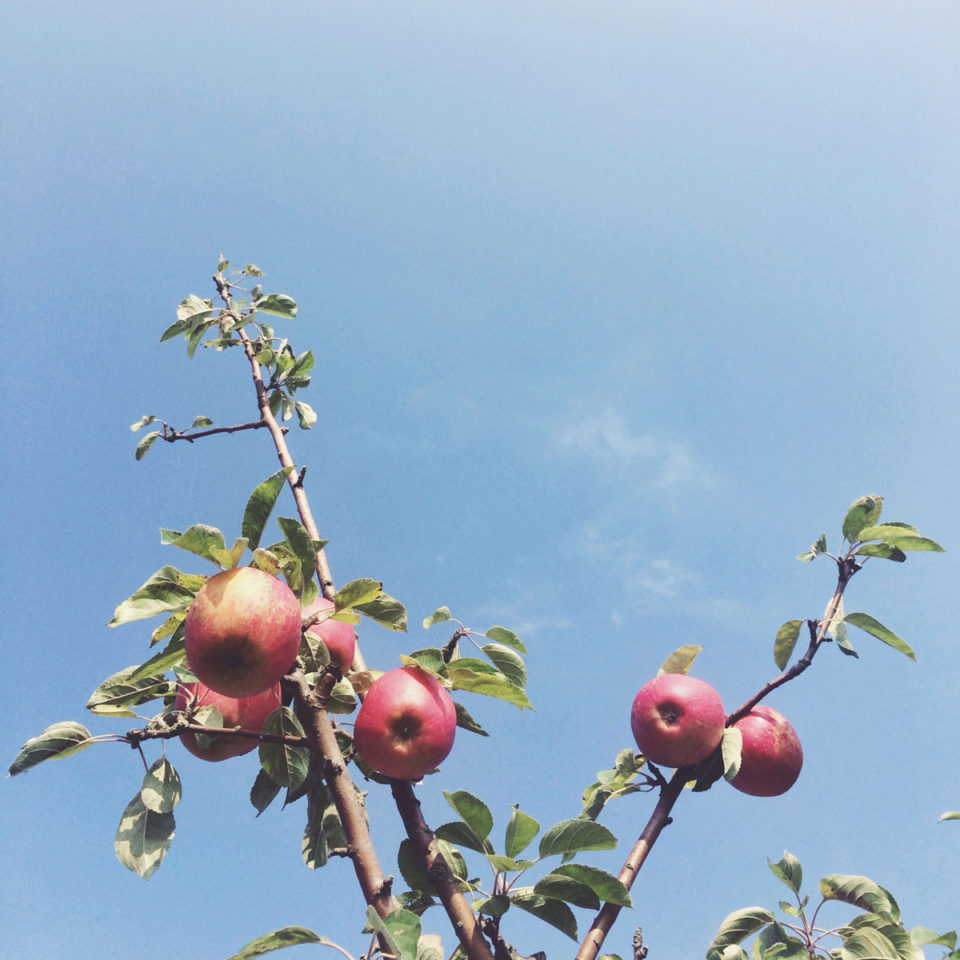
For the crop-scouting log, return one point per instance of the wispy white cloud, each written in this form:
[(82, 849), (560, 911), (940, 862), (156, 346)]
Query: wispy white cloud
[(659, 463)]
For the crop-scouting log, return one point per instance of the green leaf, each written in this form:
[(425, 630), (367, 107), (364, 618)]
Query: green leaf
[(193, 310), (204, 541), (58, 740), (874, 627), (115, 696), (201, 421), (168, 590), (495, 906), (300, 543), (466, 675), (305, 414), (806, 557), (949, 815), (554, 912), (558, 887), (868, 944), (260, 505), (788, 870), (143, 422), (509, 663), (900, 535), (362, 590), (430, 658), (605, 885), (466, 722), (506, 637), (438, 616), (143, 837), (430, 947), (264, 791), (473, 811), (277, 940), (924, 935), (172, 655), (681, 660), (161, 788), (773, 942), (458, 833), (571, 836), (886, 551), (145, 444), (385, 610), (401, 930), (860, 892), (342, 698), (731, 747), (738, 926), (278, 304), (521, 829), (286, 765), (863, 512), (785, 641)]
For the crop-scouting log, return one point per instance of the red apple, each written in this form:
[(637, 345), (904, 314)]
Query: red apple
[(772, 756), (247, 712), (242, 632), (677, 719), (339, 637), (406, 724)]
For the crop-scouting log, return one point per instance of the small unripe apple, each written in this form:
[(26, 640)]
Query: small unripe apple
[(246, 712), (677, 719), (242, 631), (339, 637), (772, 757), (406, 724)]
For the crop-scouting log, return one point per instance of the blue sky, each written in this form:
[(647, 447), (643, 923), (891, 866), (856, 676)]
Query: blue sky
[(616, 308)]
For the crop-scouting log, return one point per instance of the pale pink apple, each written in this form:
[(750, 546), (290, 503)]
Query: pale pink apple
[(242, 631), (406, 724), (340, 638), (677, 719), (246, 712), (772, 755)]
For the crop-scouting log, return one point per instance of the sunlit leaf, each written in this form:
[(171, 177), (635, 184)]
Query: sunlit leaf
[(731, 747), (681, 660), (521, 829), (143, 837), (478, 676), (305, 415), (58, 740), (571, 836), (863, 512), (874, 627), (509, 663), (401, 930), (385, 610), (507, 637), (438, 616), (949, 815), (276, 940), (168, 590), (278, 304), (143, 421), (738, 926), (788, 870), (118, 693), (145, 444), (161, 787), (472, 810), (201, 539), (860, 892), (357, 591), (605, 885)]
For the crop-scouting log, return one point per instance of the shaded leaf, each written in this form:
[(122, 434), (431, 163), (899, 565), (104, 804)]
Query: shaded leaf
[(886, 551), (430, 658), (466, 722), (458, 833), (260, 505), (264, 791), (509, 663), (201, 539), (385, 610), (357, 591), (143, 837), (171, 655), (401, 930), (924, 935), (785, 641), (58, 740), (559, 887), (868, 944), (681, 660), (554, 912), (277, 940), (495, 906), (278, 304), (299, 540), (478, 676), (571, 836), (874, 627), (521, 829), (287, 765)]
